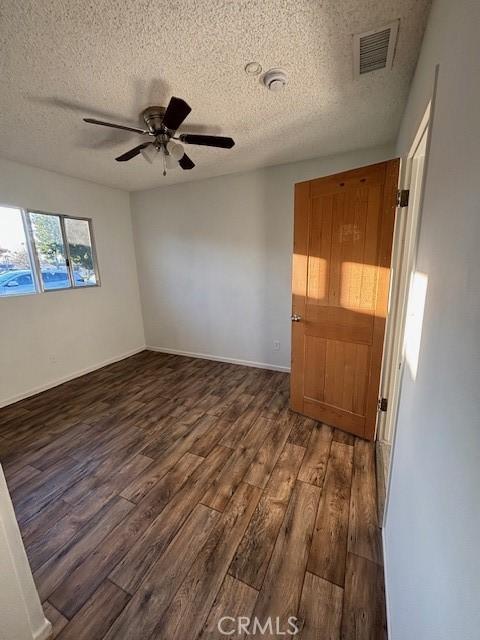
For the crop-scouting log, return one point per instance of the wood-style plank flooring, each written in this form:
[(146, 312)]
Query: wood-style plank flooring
[(161, 493)]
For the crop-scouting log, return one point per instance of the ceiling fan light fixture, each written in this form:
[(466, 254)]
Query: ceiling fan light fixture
[(170, 162), (175, 150), (149, 153)]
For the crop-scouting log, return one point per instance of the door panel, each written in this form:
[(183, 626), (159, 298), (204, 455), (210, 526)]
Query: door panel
[(342, 245)]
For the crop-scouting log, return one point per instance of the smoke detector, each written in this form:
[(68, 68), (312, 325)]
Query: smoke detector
[(275, 79)]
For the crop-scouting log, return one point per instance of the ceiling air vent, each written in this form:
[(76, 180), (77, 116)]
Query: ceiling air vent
[(374, 50)]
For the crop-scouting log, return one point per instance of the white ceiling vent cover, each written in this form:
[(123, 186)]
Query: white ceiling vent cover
[(374, 50)]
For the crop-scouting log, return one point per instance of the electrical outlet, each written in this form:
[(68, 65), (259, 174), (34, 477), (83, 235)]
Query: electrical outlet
[(276, 345)]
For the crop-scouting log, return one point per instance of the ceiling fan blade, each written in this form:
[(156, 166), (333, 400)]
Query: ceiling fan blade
[(128, 155), (115, 126), (176, 113), (186, 163), (207, 141)]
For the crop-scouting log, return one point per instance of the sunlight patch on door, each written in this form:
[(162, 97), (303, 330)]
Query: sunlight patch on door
[(317, 279), (414, 320), (359, 287)]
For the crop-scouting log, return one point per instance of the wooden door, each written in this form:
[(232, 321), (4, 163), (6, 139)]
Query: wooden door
[(341, 269)]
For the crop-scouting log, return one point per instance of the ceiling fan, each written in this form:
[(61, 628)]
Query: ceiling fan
[(162, 125)]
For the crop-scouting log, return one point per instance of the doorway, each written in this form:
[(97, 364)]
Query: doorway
[(343, 234)]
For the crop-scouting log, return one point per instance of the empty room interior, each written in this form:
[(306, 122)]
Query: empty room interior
[(239, 320)]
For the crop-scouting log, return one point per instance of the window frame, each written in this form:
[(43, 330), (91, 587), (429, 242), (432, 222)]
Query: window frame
[(96, 270), (33, 252)]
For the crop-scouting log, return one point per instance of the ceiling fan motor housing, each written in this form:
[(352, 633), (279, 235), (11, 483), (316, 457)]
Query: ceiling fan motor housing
[(153, 117)]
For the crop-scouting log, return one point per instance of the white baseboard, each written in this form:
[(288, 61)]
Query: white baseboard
[(99, 365), (207, 356), (44, 632), (385, 579), (71, 376)]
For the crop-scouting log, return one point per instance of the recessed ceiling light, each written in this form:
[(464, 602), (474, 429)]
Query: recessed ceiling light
[(275, 79), (253, 68)]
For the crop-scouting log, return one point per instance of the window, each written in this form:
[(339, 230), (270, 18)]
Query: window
[(45, 252), (50, 250), (16, 276), (81, 252)]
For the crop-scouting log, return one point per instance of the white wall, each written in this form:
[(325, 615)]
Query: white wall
[(47, 338), (22, 617), (214, 259), (433, 521)]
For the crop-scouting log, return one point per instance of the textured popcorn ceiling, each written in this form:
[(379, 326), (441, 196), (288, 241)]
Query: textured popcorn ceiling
[(62, 60)]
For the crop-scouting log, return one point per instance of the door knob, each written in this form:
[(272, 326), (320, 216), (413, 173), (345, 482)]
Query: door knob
[(296, 317)]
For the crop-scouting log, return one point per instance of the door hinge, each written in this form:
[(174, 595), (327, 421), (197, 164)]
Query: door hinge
[(383, 404), (402, 197)]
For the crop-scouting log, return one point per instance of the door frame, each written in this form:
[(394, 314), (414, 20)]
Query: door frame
[(406, 237), (405, 241)]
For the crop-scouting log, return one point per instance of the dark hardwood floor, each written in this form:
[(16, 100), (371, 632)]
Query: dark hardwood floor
[(161, 493)]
